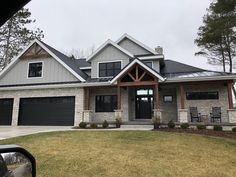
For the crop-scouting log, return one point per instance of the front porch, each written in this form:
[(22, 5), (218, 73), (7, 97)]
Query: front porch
[(137, 95)]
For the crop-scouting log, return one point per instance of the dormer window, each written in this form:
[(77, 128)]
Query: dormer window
[(109, 69), (35, 70)]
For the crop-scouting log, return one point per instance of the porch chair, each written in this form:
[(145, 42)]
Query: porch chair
[(216, 114), (194, 114)]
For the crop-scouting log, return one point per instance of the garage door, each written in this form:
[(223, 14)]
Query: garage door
[(57, 111), (6, 106)]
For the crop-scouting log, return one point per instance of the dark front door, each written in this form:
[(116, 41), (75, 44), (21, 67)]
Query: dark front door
[(47, 111), (144, 107), (6, 106)]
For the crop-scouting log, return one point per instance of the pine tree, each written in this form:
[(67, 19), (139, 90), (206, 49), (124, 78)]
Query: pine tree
[(217, 36), (15, 35)]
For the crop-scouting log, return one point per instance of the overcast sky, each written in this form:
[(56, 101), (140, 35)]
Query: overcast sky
[(80, 24)]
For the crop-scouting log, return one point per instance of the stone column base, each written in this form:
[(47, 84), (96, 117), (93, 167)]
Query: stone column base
[(156, 113), (118, 113), (183, 115), (88, 116), (232, 115)]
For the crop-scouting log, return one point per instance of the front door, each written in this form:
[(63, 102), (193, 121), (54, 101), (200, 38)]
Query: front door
[(144, 103)]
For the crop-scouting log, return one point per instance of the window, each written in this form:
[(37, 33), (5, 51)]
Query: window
[(167, 98), (109, 69), (148, 63), (106, 103), (144, 92), (202, 95), (35, 69)]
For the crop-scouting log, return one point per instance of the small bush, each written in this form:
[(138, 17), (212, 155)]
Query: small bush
[(234, 129), (93, 125), (118, 122), (171, 124), (201, 127), (217, 128), (82, 124), (184, 125), (156, 122), (105, 124)]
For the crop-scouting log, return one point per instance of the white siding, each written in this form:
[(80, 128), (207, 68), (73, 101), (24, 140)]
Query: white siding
[(133, 47), (109, 53), (52, 72)]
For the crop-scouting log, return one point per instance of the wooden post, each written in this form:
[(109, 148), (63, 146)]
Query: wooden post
[(156, 92), (86, 98), (181, 96), (118, 97), (229, 88)]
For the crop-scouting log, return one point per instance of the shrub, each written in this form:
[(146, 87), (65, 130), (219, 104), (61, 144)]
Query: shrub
[(105, 124), (201, 127), (234, 129), (171, 124), (93, 125), (184, 125), (118, 122), (156, 122), (82, 124), (217, 128)]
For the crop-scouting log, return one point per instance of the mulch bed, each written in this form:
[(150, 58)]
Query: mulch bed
[(207, 132)]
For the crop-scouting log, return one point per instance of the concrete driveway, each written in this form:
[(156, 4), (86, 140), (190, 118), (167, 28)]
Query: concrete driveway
[(9, 131)]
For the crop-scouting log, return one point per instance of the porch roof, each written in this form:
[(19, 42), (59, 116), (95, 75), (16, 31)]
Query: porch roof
[(139, 62)]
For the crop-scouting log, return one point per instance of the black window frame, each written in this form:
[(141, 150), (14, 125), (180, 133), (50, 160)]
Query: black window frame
[(166, 101), (211, 95), (101, 106), (37, 73), (109, 69)]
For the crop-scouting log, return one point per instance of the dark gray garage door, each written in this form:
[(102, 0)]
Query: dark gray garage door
[(6, 106), (58, 111)]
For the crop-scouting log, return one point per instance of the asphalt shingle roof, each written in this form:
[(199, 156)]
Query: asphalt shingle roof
[(68, 61)]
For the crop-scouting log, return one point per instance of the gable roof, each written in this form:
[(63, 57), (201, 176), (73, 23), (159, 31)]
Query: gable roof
[(137, 61), (61, 58), (136, 42), (171, 66), (109, 42)]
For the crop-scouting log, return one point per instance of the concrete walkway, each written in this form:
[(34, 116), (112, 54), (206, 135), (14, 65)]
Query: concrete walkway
[(10, 132)]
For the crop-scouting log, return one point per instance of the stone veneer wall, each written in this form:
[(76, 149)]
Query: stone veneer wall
[(205, 106), (109, 116), (17, 94)]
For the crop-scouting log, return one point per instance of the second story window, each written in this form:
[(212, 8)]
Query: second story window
[(35, 69), (148, 63), (109, 69)]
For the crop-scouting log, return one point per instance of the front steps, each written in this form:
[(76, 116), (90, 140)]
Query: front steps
[(137, 125)]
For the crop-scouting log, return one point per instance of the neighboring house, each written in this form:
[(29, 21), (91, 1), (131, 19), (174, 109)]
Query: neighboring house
[(124, 79)]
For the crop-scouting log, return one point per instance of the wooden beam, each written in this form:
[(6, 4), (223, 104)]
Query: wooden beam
[(230, 94), (136, 71), (118, 97), (142, 76), (130, 75), (143, 83), (181, 96)]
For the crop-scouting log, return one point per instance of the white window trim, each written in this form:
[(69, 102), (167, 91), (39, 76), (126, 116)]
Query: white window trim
[(148, 61), (28, 70), (121, 66)]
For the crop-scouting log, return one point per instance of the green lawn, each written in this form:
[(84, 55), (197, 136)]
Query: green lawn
[(129, 154)]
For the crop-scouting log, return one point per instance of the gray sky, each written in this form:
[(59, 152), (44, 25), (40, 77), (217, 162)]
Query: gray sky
[(172, 24)]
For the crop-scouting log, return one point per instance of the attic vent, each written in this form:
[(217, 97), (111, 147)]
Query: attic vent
[(159, 50)]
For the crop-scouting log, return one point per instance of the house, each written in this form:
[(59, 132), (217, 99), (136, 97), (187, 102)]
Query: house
[(126, 79)]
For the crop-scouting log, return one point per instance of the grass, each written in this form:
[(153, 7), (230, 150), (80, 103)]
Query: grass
[(130, 153)]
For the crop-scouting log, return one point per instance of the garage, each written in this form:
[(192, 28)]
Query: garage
[(51, 111), (6, 106)]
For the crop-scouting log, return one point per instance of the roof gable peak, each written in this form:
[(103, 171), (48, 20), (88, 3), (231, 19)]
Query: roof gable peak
[(125, 35)]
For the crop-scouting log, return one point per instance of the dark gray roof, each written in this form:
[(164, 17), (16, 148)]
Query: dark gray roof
[(174, 67), (68, 61), (81, 62)]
